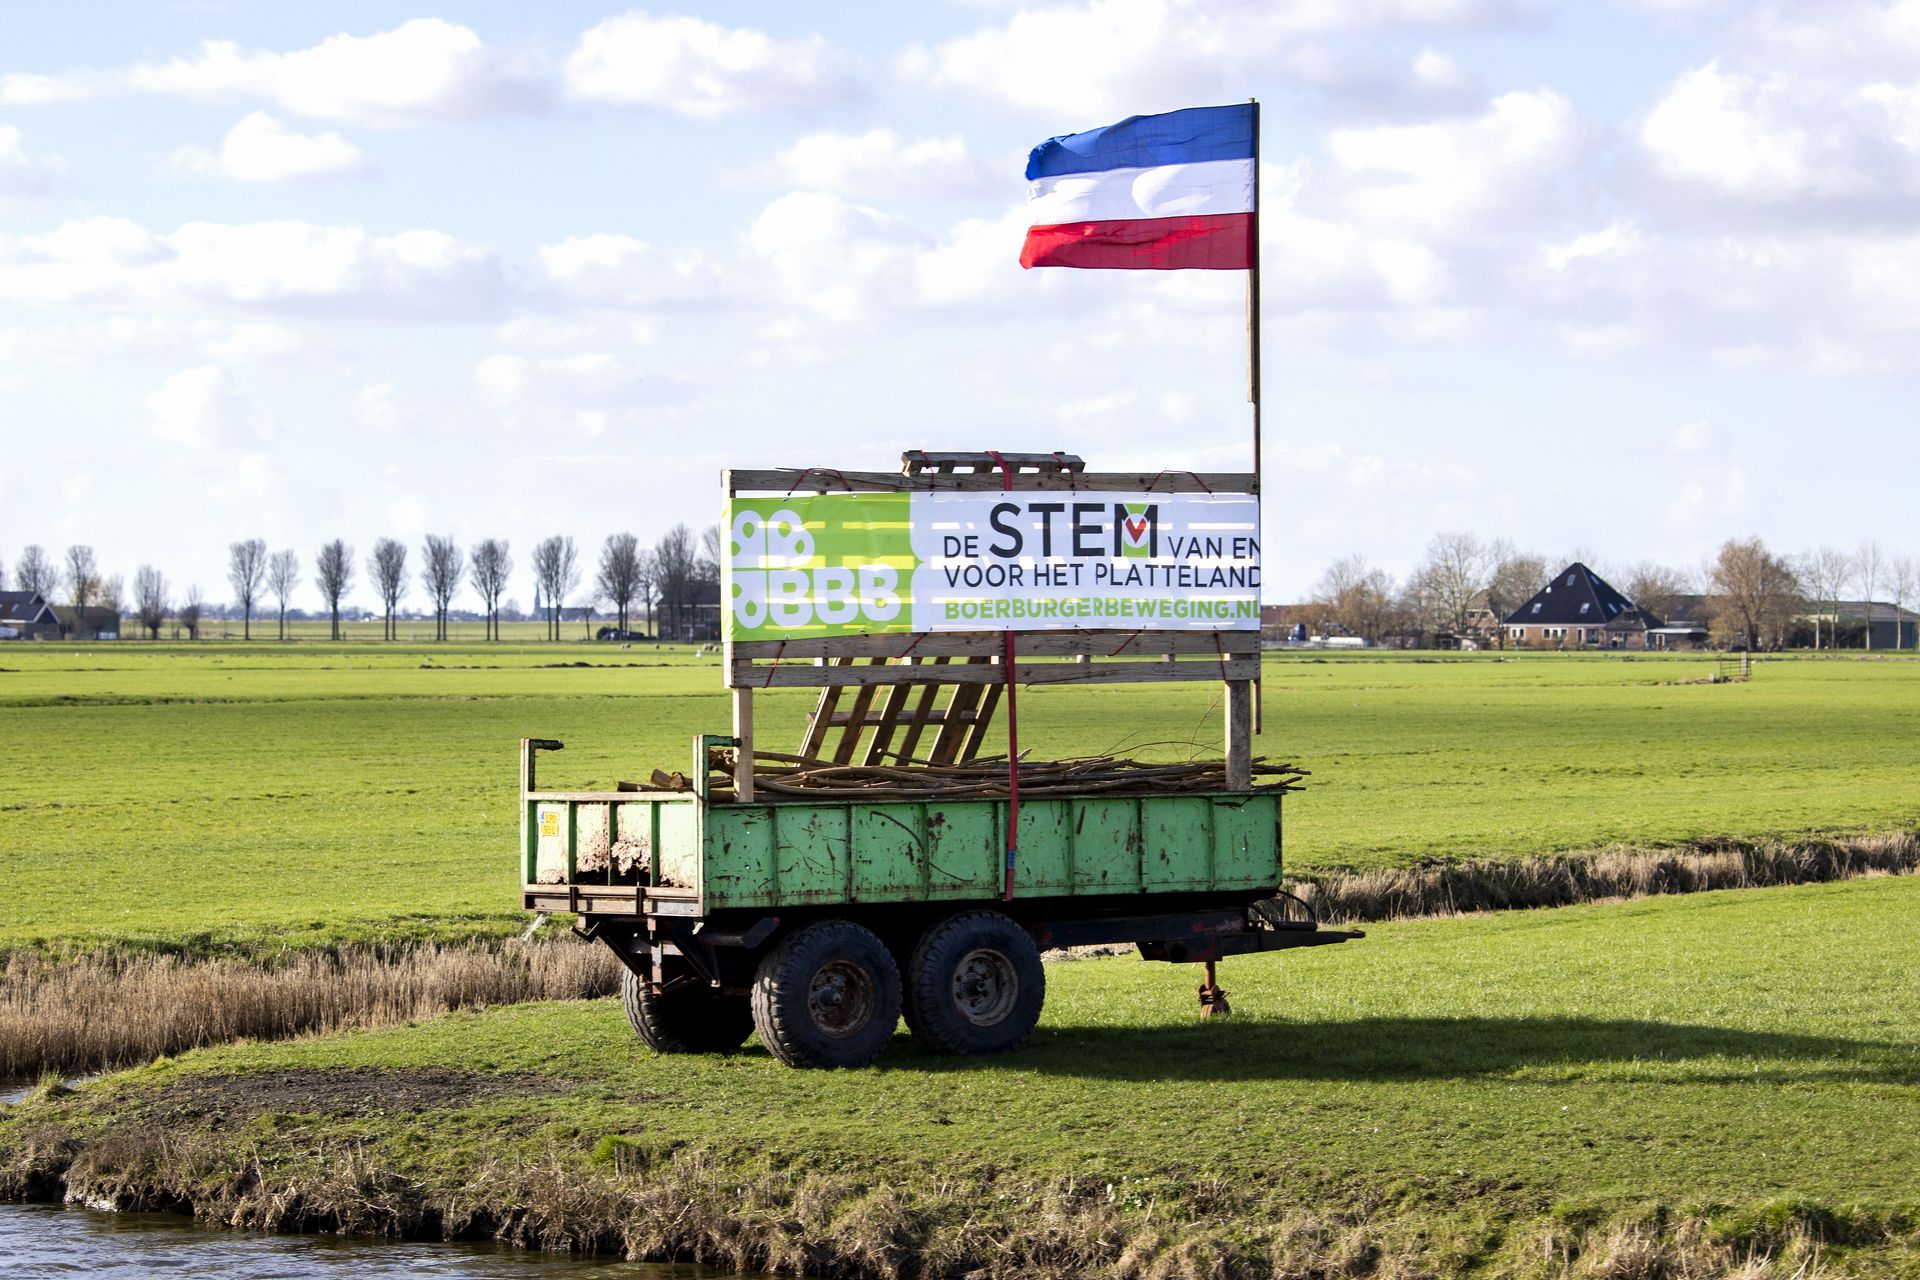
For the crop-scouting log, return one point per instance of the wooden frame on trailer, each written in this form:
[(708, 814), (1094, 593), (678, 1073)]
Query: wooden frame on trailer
[(968, 666)]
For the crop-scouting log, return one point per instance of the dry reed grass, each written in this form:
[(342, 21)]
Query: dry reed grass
[(106, 1009), (1455, 888), (687, 1207)]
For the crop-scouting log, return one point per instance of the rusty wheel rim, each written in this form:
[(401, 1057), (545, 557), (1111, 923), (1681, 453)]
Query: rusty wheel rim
[(841, 998), (985, 986)]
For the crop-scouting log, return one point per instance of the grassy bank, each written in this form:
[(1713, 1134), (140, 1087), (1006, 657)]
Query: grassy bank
[(254, 797), (1714, 1082)]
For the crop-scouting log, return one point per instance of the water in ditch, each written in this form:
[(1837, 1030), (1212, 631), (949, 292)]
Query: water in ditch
[(46, 1242), (49, 1242)]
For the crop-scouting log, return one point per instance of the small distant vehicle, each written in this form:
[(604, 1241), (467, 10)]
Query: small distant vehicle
[(615, 633)]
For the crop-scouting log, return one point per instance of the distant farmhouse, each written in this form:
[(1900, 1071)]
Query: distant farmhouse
[(26, 615), (1580, 610), (1881, 625), (1688, 618)]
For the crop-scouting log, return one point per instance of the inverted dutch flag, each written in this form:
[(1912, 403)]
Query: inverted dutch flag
[(1151, 193)]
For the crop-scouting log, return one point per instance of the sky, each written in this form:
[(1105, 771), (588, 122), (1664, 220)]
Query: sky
[(1616, 279)]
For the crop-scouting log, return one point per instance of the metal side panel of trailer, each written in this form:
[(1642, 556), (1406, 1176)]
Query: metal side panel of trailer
[(727, 856)]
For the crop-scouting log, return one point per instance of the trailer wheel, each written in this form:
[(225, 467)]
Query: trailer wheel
[(975, 985), (689, 1019), (827, 996)]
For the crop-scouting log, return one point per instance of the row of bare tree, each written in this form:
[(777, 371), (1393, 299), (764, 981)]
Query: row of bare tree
[(629, 577), (1756, 596), (1752, 596)]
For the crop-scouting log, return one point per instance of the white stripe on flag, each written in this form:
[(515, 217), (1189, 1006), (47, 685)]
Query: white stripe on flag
[(1163, 191)]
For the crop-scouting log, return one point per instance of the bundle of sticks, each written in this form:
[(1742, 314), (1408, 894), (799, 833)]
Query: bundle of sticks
[(779, 774)]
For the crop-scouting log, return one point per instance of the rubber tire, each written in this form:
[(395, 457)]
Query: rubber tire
[(687, 1019), (781, 989), (932, 1015)]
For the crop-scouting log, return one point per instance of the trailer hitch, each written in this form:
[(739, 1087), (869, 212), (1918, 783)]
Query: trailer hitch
[(1213, 998)]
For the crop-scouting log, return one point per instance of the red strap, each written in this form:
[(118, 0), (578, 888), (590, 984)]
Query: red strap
[(825, 471), (1159, 476)]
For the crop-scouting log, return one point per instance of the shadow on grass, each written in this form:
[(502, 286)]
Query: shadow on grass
[(1439, 1048)]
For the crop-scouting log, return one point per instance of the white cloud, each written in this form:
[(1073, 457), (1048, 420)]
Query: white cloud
[(424, 69), (580, 380), (21, 89), (832, 257), (611, 269), (1111, 56), (1441, 173), (971, 264), (1719, 128), (281, 264), (255, 341), (1693, 437), (1436, 71), (1711, 498), (575, 332), (880, 161), (197, 407), (501, 377), (377, 406), (1616, 240), (1902, 107), (22, 174), (692, 67), (262, 149)]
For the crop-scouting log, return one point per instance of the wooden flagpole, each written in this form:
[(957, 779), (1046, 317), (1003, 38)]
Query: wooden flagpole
[(1253, 370)]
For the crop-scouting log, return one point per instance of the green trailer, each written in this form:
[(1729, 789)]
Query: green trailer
[(711, 903), (738, 904)]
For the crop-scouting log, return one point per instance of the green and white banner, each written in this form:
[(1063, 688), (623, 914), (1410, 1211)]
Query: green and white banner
[(852, 563)]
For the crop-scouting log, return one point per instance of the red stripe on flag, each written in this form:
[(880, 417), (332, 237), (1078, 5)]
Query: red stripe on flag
[(1214, 242)]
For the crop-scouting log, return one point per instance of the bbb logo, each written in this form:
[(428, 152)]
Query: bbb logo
[(771, 583)]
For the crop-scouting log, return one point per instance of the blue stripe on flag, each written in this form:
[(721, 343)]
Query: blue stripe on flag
[(1140, 142)]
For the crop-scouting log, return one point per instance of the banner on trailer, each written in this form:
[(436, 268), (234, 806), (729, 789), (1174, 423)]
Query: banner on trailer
[(853, 563)]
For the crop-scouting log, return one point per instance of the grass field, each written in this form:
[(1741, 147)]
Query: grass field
[(318, 792), (1726, 1068)]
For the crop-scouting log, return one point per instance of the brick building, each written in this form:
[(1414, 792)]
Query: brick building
[(1579, 609)]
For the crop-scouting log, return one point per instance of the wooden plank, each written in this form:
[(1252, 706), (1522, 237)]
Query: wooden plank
[(886, 723), (976, 733), (828, 480), (856, 720), (1027, 644), (921, 711), (796, 677), (743, 754), (879, 718), (965, 698), (822, 717), (918, 459), (1239, 724)]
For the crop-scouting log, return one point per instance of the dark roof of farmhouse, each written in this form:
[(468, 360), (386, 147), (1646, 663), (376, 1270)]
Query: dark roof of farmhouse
[(23, 606), (1689, 611), (1576, 597), (1860, 610)]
